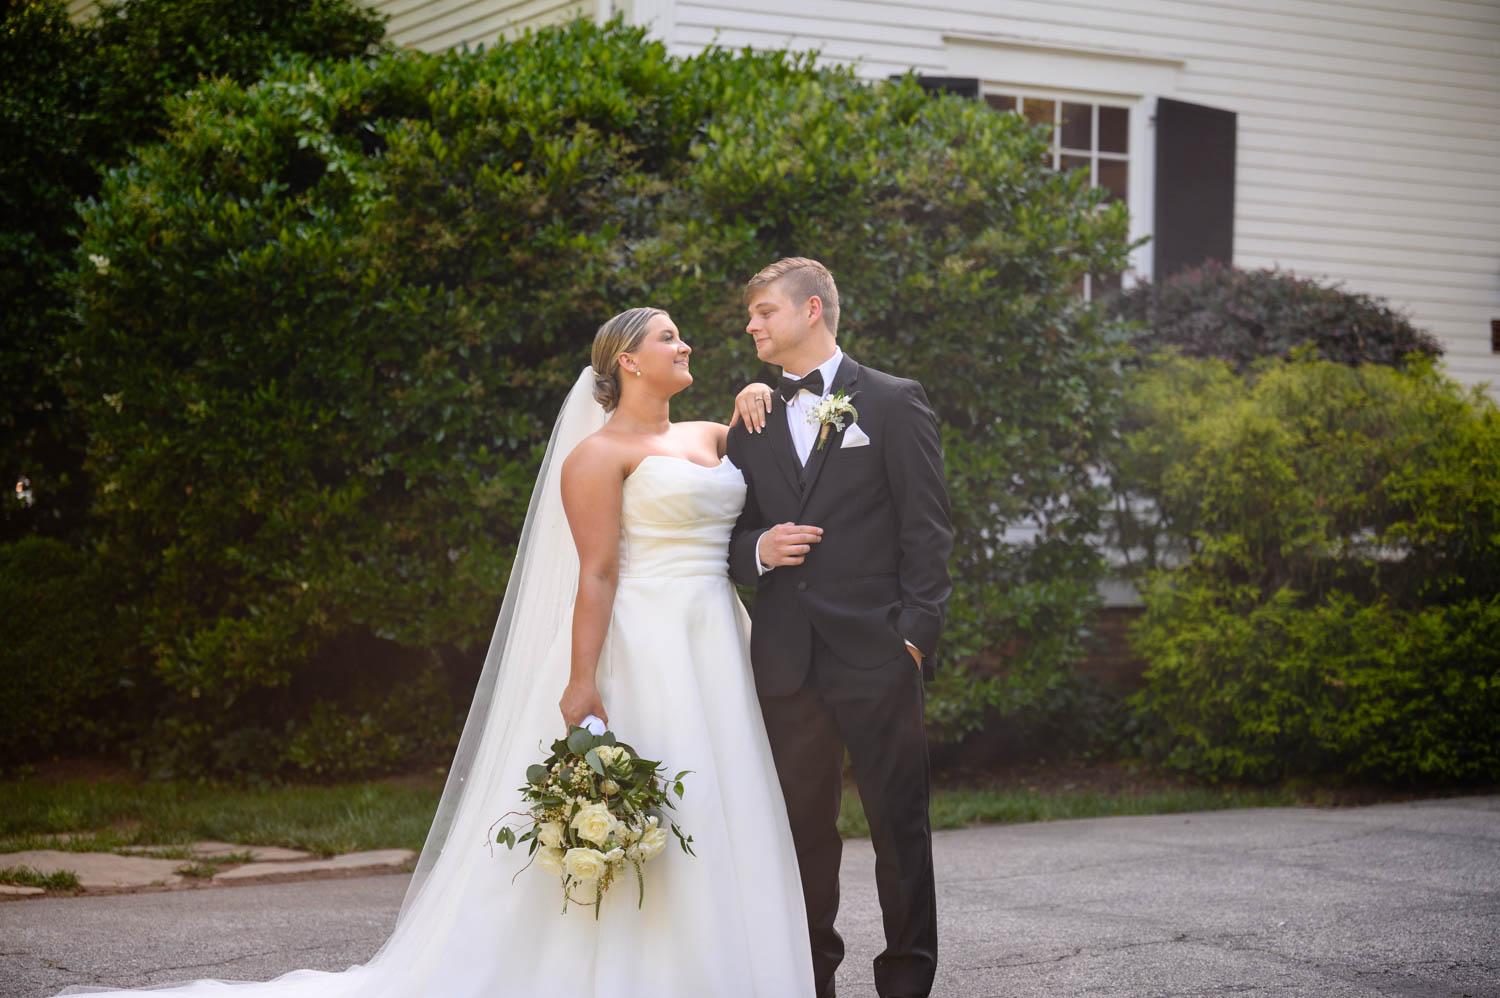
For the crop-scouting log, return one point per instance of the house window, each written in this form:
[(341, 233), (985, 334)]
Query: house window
[(1085, 136)]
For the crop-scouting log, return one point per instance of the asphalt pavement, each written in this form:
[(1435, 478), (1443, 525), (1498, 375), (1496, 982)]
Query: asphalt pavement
[(1390, 900)]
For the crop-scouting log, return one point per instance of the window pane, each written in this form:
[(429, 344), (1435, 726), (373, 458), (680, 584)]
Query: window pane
[(1114, 175), (1039, 112), (1076, 163), (1000, 102), (1114, 129), (1078, 126)]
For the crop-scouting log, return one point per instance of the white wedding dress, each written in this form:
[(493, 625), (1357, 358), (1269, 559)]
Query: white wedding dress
[(675, 678)]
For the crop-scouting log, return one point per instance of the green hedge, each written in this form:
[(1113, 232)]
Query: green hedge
[(1326, 596), (63, 687), (74, 98), (326, 325)]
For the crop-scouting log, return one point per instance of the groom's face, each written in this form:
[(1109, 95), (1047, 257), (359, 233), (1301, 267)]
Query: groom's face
[(779, 326)]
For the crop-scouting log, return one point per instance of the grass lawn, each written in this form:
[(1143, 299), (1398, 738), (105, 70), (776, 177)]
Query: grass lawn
[(106, 815), (102, 816)]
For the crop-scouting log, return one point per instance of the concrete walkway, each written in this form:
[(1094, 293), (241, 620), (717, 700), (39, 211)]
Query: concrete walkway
[(1399, 899)]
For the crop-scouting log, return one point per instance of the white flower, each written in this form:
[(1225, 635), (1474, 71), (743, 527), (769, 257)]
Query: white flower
[(653, 840), (550, 834), (615, 855), (101, 263), (551, 861), (831, 413), (612, 756), (594, 823), (584, 864)]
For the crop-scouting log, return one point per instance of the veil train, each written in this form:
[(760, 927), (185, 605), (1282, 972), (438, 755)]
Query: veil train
[(522, 664)]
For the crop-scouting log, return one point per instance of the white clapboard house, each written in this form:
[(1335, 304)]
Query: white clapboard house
[(1351, 140)]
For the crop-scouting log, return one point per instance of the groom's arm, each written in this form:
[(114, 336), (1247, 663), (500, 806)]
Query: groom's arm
[(919, 490)]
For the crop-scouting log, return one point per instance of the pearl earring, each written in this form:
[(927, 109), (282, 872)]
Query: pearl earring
[(638, 372)]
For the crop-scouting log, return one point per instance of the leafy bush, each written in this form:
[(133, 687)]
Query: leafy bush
[(43, 166), (1242, 316), (327, 323), (1331, 599), (416, 724), (61, 686), (73, 100)]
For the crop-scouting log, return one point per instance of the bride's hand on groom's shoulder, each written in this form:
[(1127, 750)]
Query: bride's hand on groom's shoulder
[(580, 700), (751, 406)]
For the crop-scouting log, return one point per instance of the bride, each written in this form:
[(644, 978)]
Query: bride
[(659, 647)]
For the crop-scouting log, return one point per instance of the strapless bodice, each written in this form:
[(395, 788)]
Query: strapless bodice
[(675, 518)]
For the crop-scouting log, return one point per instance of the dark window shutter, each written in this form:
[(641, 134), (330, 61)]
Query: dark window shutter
[(1194, 186), (964, 86)]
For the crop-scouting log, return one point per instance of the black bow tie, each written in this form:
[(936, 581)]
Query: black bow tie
[(788, 388)]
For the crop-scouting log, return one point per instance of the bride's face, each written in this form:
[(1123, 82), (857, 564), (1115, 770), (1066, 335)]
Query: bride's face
[(661, 357)]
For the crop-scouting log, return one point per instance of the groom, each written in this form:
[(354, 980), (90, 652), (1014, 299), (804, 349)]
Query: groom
[(846, 536)]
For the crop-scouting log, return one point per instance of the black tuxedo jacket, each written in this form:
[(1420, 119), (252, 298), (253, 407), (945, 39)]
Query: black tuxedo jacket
[(879, 576)]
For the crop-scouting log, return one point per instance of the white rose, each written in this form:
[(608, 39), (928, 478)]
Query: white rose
[(653, 841), (551, 861), (584, 864), (612, 755), (550, 834), (594, 823), (615, 855)]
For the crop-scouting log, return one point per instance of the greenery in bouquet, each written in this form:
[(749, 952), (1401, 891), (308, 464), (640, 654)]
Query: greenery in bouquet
[(596, 806)]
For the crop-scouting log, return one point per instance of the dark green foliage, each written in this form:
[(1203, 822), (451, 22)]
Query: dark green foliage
[(416, 724), (62, 687), (1325, 592), (327, 323), (44, 165), (73, 100), (145, 51), (1242, 316)]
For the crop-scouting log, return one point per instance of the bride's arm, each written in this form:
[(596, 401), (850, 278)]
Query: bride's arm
[(592, 483), (718, 434)]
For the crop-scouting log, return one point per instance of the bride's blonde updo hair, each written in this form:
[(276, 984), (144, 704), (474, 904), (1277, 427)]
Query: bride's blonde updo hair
[(621, 334)]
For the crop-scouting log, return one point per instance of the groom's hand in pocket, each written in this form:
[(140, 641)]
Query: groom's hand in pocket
[(787, 544)]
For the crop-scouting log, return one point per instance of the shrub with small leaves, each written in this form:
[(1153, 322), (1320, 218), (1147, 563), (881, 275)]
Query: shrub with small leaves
[(1329, 604), (1243, 316)]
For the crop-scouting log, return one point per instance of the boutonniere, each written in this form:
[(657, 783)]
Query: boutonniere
[(832, 412)]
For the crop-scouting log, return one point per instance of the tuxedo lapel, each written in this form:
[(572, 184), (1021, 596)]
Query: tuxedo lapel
[(783, 451), (844, 380)]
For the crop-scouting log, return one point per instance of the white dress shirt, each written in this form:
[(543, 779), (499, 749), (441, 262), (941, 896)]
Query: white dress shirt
[(799, 409)]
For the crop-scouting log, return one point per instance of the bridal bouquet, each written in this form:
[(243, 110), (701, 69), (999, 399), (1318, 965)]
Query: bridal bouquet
[(596, 806)]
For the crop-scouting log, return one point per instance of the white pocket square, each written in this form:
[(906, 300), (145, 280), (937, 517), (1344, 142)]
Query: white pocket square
[(855, 437)]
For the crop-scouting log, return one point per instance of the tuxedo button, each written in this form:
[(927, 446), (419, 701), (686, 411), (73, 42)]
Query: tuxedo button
[(802, 587)]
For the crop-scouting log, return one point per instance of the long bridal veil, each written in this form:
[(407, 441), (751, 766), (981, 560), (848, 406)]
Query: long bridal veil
[(518, 674), (538, 603)]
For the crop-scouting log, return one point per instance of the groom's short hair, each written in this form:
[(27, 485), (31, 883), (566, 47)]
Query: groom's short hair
[(801, 278)]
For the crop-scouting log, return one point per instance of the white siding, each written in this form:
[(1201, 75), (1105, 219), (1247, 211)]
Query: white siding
[(437, 25), (1369, 130)]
